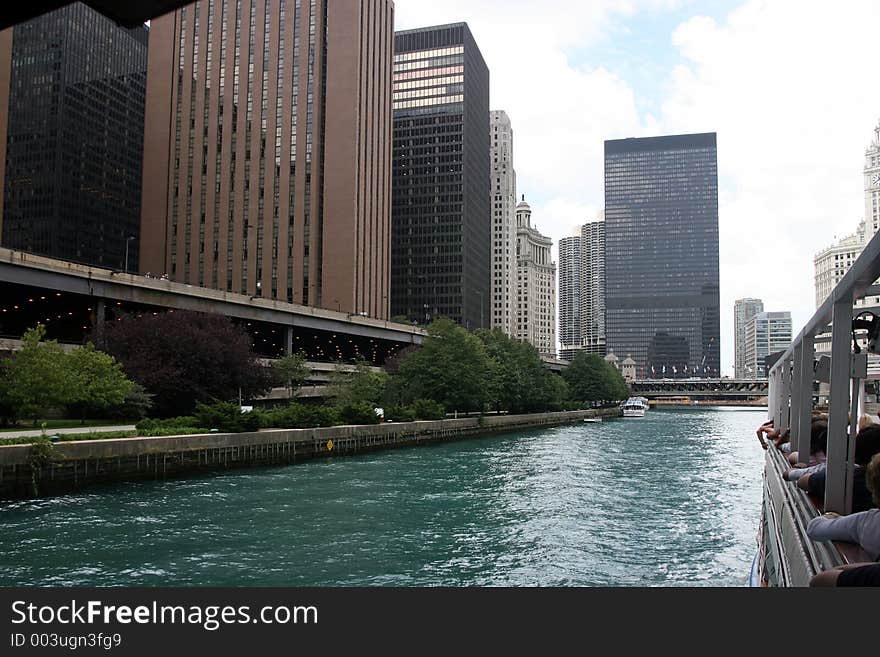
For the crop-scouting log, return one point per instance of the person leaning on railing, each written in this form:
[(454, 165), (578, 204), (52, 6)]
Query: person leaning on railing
[(818, 443), (862, 528), (867, 445), (766, 432)]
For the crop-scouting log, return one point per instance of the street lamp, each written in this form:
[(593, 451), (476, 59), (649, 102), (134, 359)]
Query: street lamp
[(127, 240)]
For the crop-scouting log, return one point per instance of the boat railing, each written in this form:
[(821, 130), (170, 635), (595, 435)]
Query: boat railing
[(792, 377)]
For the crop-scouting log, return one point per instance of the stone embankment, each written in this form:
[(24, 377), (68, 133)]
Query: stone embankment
[(73, 465)]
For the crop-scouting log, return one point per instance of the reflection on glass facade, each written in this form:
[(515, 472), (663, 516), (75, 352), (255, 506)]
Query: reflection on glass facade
[(441, 215), (661, 250), (74, 138)]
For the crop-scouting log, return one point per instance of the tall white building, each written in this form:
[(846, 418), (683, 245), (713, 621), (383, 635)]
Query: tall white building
[(593, 286), (535, 284), (872, 182), (743, 311), (832, 263), (503, 189), (766, 333), (582, 291), (570, 283)]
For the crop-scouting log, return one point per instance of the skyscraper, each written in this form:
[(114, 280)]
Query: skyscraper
[(582, 291), (872, 182), (266, 168), (766, 333), (570, 283), (72, 87), (661, 254), (743, 311), (503, 187), (441, 215), (592, 303), (535, 285)]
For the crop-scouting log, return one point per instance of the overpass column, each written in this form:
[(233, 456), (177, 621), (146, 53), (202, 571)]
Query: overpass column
[(288, 340), (100, 314)]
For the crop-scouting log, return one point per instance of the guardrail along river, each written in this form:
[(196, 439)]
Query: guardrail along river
[(671, 499)]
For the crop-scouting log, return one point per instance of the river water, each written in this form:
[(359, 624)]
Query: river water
[(671, 499)]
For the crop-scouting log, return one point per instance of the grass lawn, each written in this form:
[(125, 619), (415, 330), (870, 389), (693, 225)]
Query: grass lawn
[(26, 425)]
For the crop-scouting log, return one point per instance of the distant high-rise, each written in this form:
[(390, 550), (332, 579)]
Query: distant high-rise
[(592, 304), (72, 86), (268, 150), (661, 254), (582, 291), (441, 215), (743, 311), (872, 182), (832, 262), (503, 188), (766, 333), (535, 285), (570, 283)]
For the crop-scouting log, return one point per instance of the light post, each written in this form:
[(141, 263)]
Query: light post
[(127, 240)]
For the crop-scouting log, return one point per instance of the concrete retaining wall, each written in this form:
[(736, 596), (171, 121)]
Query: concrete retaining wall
[(77, 464)]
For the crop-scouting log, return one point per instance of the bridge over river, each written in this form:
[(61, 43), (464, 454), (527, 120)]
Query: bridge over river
[(702, 389)]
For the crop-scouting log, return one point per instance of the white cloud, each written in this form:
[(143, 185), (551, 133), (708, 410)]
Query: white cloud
[(790, 87)]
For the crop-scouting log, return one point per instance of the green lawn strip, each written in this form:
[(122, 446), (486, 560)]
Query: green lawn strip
[(65, 424), (104, 435)]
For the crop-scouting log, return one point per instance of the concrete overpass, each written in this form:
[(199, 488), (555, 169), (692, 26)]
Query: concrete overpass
[(33, 288)]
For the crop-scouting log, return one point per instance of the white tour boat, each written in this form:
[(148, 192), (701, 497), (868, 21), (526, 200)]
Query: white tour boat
[(634, 407)]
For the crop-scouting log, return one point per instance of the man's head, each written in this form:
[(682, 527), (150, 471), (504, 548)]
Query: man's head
[(867, 444)]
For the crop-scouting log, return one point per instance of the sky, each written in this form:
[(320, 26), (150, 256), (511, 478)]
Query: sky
[(792, 88)]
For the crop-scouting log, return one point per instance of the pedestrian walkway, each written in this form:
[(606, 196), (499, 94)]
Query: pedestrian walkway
[(51, 432)]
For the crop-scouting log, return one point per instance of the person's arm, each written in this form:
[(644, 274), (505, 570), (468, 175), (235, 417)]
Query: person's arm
[(829, 577), (832, 527)]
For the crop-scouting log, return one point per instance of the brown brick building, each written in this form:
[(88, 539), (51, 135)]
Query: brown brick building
[(267, 150)]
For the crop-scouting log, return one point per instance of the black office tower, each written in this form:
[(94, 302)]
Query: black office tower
[(661, 254), (72, 89), (440, 208)]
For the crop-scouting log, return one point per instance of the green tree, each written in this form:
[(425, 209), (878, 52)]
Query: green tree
[(36, 376), (591, 378), (182, 358), (363, 386), (96, 381), (291, 371), (452, 368)]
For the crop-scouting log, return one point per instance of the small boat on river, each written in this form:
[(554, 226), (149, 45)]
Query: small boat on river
[(634, 407)]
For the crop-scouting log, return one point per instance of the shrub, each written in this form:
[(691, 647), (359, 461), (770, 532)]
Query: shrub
[(301, 416), (358, 413), (428, 409), (228, 417), (400, 414)]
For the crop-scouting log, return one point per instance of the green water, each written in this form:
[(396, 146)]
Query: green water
[(670, 499)]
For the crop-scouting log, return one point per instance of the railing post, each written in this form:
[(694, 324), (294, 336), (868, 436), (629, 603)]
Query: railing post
[(797, 400), (772, 395), (804, 354), (838, 406), (785, 419)]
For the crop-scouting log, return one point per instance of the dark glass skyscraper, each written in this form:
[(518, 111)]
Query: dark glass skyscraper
[(440, 208), (661, 254), (72, 87)]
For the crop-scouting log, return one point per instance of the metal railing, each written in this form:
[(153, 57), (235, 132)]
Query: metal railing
[(792, 377)]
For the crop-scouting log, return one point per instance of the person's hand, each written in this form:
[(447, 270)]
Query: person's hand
[(830, 514)]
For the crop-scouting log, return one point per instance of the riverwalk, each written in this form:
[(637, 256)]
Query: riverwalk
[(72, 465)]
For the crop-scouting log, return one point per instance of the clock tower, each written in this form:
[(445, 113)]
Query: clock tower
[(872, 183)]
